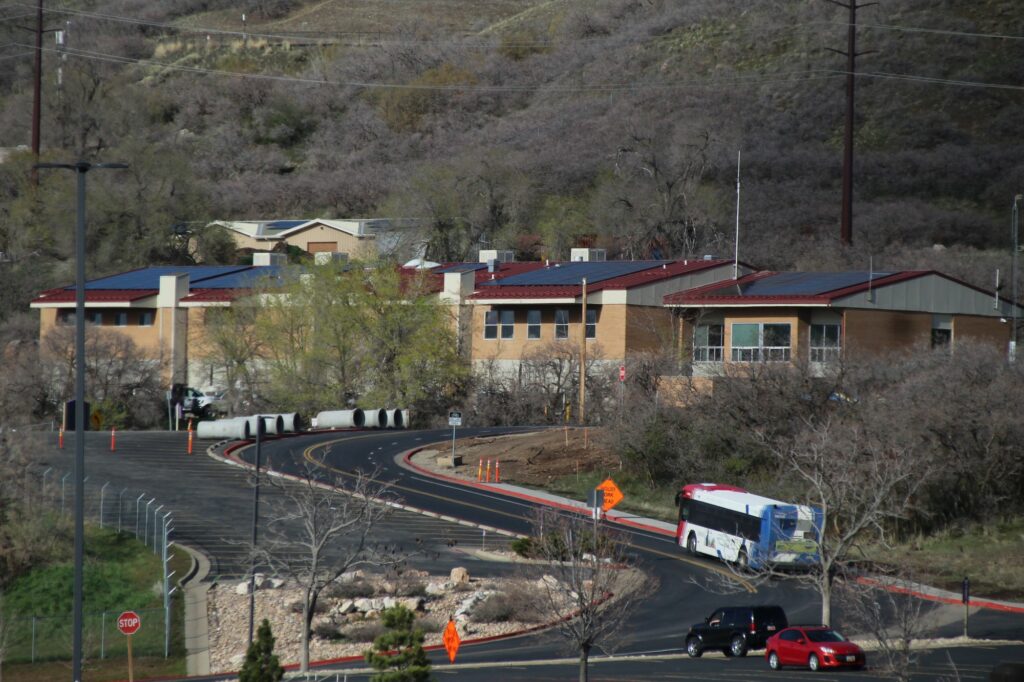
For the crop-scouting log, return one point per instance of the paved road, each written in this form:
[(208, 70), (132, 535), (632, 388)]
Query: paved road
[(211, 503)]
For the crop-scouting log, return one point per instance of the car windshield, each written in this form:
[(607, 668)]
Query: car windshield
[(825, 636)]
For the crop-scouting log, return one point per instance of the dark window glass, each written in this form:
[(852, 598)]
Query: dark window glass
[(591, 323), (561, 324), (95, 317), (121, 319), (941, 338), (146, 318), (491, 324), (825, 636), (508, 323), (790, 635), (533, 324)]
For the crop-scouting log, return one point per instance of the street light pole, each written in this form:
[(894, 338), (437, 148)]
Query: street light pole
[(80, 168), (1013, 274), (255, 522)]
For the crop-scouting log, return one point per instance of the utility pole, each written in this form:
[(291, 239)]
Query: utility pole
[(37, 93), (846, 219), (583, 357)]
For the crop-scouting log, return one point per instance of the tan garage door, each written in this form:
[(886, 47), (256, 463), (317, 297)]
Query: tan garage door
[(322, 247)]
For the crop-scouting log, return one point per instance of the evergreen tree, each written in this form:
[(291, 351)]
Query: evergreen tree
[(261, 665), (408, 662)]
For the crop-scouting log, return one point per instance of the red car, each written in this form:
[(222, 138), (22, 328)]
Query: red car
[(816, 647)]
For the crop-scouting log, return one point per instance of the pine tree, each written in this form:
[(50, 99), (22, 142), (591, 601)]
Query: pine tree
[(408, 662), (261, 665)]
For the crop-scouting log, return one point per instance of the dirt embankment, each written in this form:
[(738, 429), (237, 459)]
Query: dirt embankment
[(531, 459)]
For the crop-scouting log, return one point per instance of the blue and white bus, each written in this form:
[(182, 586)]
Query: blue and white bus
[(749, 530)]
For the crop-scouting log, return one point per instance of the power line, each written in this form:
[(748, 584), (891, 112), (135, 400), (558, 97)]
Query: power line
[(802, 75)]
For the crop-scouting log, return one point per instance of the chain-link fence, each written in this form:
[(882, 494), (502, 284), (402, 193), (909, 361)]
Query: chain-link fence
[(32, 638)]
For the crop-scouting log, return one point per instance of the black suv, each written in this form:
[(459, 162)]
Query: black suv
[(735, 630)]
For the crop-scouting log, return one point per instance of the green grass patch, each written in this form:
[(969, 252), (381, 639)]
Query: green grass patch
[(120, 573), (990, 555), (638, 497)]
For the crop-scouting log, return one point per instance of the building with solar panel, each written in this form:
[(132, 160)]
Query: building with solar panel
[(820, 317), (358, 238)]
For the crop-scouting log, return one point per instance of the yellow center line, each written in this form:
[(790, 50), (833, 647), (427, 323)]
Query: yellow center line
[(307, 455)]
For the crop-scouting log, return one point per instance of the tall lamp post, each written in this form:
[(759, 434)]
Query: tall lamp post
[(1015, 230), (80, 168)]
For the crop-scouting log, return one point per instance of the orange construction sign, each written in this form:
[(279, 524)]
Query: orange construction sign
[(451, 640), (612, 494)]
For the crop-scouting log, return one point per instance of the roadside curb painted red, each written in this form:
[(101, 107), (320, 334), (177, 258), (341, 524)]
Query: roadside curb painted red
[(407, 457), (952, 599)]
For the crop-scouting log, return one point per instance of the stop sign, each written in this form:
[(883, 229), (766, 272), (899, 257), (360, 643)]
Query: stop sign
[(129, 622)]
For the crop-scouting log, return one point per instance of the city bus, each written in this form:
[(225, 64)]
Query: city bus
[(748, 530)]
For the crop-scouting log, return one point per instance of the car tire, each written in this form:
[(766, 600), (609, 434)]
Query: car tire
[(813, 663), (694, 648), (738, 646), (691, 544), (773, 661)]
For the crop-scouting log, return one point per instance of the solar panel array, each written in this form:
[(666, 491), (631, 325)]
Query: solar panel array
[(808, 283), (243, 279), (562, 274), (283, 224), (149, 278)]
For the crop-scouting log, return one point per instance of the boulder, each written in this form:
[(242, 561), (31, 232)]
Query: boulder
[(413, 603), (373, 613), (346, 607), (242, 587), (436, 589), (389, 602), (459, 576), (351, 576), (273, 584), (363, 604)]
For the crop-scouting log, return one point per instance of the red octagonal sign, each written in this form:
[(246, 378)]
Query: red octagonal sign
[(129, 622)]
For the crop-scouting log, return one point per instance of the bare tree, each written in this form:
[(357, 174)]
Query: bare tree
[(588, 581), (861, 481), (321, 528), (890, 616)]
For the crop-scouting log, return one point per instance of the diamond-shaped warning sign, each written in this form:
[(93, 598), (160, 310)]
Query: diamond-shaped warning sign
[(612, 494)]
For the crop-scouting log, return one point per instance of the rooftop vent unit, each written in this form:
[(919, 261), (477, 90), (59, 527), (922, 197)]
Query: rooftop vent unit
[(708, 256), (327, 257), (265, 259), (501, 256), (595, 255)]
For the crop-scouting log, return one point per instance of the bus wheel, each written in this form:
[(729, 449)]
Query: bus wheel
[(691, 544)]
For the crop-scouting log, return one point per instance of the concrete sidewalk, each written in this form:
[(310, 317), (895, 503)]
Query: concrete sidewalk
[(668, 529)]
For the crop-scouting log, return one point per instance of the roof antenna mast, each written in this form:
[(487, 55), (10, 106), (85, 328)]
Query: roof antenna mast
[(736, 253)]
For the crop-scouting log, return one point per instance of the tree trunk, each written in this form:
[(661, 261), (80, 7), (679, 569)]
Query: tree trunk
[(307, 618), (825, 588), (584, 655)]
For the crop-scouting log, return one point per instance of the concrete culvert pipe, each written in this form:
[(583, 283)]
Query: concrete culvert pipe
[(396, 420), (405, 419), (377, 419), (293, 421), (234, 429), (341, 419), (273, 424)]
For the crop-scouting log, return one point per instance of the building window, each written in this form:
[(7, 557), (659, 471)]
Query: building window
[(65, 317), (146, 318), (533, 324), (491, 324), (95, 317), (825, 342), (121, 319), (760, 342), (591, 323), (508, 323), (708, 342), (561, 324)]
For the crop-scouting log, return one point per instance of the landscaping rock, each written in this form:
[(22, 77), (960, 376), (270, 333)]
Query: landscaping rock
[(436, 589), (459, 576)]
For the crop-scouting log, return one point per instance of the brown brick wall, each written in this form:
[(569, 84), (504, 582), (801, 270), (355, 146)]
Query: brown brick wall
[(879, 331), (611, 332), (981, 329)]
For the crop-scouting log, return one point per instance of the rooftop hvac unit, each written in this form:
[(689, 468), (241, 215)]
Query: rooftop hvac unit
[(595, 255), (265, 259), (501, 256), (326, 257)]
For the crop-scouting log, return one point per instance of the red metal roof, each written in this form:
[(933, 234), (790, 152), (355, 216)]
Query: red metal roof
[(95, 295), (214, 295)]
